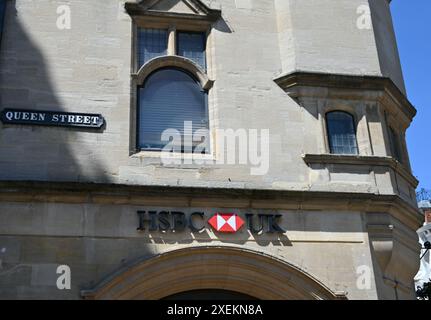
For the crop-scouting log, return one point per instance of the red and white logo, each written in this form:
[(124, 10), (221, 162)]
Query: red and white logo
[(226, 222)]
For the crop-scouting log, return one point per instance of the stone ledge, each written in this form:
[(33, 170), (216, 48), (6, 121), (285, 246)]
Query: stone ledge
[(362, 161)]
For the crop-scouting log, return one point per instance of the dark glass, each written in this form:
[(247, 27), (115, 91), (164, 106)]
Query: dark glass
[(152, 43), (192, 45), (395, 145), (2, 15), (341, 133)]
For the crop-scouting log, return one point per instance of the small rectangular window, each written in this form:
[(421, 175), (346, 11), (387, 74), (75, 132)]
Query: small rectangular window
[(192, 45), (2, 14), (152, 43), (395, 145), (341, 133)]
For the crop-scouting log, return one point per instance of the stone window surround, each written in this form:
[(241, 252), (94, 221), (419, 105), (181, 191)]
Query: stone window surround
[(173, 30), (323, 122), (352, 94), (355, 127), (357, 111), (173, 22), (366, 156)]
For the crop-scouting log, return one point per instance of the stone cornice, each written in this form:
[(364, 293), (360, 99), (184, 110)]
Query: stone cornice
[(118, 194), (293, 81), (364, 161)]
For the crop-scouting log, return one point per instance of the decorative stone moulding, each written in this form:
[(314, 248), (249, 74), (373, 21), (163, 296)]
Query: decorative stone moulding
[(363, 161), (198, 10), (335, 86), (226, 267), (175, 62), (388, 238)]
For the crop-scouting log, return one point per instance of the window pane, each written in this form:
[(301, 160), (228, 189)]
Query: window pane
[(2, 14), (192, 46), (168, 99), (152, 43), (341, 133)]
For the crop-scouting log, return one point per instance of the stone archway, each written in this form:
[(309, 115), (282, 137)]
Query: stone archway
[(226, 268)]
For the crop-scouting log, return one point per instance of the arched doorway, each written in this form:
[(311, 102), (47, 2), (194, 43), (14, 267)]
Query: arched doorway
[(230, 269)]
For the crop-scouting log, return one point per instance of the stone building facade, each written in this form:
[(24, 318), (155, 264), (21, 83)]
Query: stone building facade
[(317, 224)]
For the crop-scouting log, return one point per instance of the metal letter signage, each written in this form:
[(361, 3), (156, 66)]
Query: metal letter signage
[(51, 118), (177, 221)]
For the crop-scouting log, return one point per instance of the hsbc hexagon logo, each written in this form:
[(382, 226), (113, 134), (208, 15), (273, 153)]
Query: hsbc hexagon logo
[(226, 222)]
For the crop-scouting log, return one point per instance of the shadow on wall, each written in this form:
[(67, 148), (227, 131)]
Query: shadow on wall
[(41, 153)]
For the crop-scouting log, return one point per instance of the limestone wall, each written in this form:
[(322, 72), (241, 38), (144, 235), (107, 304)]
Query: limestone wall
[(88, 69)]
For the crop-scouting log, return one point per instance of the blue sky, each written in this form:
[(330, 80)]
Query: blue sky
[(413, 29)]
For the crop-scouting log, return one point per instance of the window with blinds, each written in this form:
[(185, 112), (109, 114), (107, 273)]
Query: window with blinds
[(341, 133), (192, 45), (152, 43), (168, 99)]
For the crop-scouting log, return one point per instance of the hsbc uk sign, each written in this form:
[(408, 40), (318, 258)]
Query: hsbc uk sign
[(219, 222)]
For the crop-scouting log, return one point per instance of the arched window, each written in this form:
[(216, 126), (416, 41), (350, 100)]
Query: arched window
[(172, 99), (341, 133)]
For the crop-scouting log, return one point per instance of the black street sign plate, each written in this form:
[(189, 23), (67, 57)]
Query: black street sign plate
[(51, 118)]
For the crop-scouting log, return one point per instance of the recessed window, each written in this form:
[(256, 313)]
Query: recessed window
[(192, 45), (171, 99), (395, 145), (341, 133), (152, 43)]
